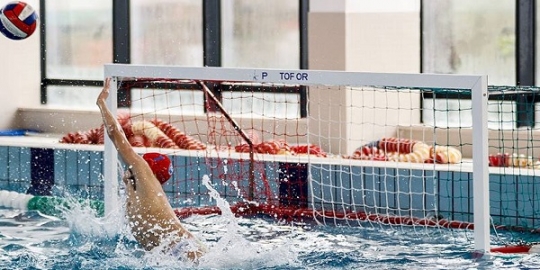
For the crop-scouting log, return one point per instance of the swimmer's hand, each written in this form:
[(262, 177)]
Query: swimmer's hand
[(104, 93), (112, 126)]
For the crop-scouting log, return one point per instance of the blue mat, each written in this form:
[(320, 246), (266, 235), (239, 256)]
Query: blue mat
[(16, 132)]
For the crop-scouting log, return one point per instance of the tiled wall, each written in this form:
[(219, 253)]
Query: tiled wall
[(58, 172), (514, 199), (79, 173)]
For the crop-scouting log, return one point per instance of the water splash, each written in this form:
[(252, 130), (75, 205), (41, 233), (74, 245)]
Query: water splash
[(234, 250), (109, 240), (80, 240), (29, 240), (83, 221)]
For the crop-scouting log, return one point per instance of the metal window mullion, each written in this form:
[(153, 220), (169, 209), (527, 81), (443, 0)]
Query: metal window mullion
[(121, 42), (121, 32), (303, 24), (43, 51), (212, 33), (212, 45), (525, 59)]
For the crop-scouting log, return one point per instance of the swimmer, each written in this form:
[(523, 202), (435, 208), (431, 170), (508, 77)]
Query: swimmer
[(150, 216)]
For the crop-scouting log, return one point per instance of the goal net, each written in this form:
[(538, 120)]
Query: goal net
[(338, 148)]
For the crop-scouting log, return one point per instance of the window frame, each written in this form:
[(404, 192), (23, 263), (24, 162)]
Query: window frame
[(525, 26), (121, 40), (525, 52)]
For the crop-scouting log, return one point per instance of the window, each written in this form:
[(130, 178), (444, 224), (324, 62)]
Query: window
[(457, 113), (78, 38), (470, 37), (79, 97), (173, 101), (536, 25), (166, 32), (262, 104), (261, 34), (78, 41)]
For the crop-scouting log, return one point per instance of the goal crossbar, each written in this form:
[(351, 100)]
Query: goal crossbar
[(304, 77)]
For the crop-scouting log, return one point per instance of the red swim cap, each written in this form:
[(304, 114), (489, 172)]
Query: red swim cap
[(161, 166)]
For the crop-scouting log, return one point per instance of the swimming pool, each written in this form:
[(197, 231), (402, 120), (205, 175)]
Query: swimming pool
[(29, 240), (81, 241)]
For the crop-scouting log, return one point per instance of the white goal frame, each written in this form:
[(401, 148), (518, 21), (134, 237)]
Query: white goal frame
[(477, 85)]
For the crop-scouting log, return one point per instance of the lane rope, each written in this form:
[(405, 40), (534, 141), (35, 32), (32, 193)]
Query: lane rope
[(48, 205)]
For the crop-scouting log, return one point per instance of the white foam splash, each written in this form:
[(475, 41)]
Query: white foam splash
[(82, 220), (233, 250), (14, 200), (230, 245)]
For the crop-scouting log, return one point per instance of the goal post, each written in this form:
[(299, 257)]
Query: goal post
[(363, 152), (110, 159), (481, 202)]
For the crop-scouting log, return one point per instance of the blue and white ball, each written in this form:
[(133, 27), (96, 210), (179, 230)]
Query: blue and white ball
[(18, 20)]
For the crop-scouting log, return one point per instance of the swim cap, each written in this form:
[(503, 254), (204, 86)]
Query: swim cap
[(161, 166)]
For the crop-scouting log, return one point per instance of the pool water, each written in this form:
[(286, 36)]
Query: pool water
[(29, 240)]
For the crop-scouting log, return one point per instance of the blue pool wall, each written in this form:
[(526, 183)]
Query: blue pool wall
[(514, 199)]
